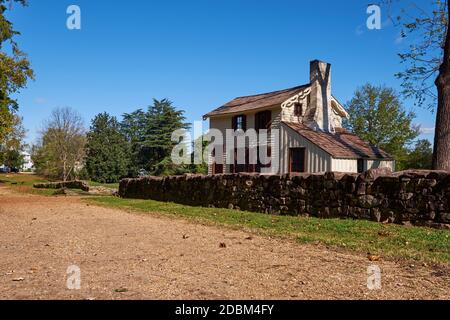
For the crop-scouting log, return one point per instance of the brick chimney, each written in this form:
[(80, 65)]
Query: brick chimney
[(320, 96)]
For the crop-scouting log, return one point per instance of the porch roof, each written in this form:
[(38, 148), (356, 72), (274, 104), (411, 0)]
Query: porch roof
[(343, 144)]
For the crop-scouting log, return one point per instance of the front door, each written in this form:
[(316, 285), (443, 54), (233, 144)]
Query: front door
[(297, 160)]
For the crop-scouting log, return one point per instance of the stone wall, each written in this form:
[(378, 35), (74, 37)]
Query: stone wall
[(61, 185), (417, 197)]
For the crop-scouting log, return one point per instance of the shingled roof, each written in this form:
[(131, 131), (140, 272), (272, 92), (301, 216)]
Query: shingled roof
[(258, 101), (342, 144)]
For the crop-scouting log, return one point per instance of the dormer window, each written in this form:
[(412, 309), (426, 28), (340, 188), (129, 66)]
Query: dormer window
[(298, 109)]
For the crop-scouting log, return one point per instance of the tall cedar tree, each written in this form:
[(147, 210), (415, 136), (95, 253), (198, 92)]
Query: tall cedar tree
[(15, 70), (107, 152), (377, 116), (150, 135)]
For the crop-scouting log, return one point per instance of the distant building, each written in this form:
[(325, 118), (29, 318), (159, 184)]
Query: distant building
[(27, 162)]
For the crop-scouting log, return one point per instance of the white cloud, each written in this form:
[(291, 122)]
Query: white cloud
[(427, 130)]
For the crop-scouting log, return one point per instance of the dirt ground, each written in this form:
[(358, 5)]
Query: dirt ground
[(124, 255)]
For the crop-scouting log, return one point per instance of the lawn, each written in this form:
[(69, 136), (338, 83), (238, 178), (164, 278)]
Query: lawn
[(106, 185), (23, 182), (387, 241)]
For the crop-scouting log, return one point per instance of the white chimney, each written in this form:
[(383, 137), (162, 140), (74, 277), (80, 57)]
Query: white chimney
[(320, 96)]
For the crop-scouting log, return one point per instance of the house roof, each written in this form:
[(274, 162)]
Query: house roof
[(258, 101), (342, 144)]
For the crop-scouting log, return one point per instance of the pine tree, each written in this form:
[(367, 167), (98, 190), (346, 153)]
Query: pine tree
[(107, 155)]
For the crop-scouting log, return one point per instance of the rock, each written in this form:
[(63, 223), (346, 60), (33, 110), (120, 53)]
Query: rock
[(63, 185), (367, 201)]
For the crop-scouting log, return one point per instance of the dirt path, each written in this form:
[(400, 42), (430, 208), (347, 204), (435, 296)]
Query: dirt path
[(161, 258)]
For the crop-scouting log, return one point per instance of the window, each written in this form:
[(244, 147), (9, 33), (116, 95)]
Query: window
[(297, 160), (298, 109), (239, 122), (263, 120), (217, 168), (360, 165)]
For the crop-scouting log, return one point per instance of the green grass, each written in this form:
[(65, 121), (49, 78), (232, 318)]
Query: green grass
[(388, 241), (106, 185), (24, 183)]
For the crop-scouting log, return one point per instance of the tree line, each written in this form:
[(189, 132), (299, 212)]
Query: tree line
[(111, 149)]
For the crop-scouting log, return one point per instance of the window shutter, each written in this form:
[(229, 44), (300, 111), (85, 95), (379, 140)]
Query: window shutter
[(244, 122), (269, 119), (234, 123)]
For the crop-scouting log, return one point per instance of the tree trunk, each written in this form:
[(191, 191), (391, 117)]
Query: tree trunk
[(441, 155)]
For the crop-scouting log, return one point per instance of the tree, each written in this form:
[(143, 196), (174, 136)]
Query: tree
[(60, 152), (15, 70), (150, 136), (421, 156), (107, 150), (441, 156), (13, 146), (133, 127), (377, 116), (162, 120), (428, 59)]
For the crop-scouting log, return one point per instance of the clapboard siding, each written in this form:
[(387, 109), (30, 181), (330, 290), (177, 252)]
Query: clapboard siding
[(317, 160)]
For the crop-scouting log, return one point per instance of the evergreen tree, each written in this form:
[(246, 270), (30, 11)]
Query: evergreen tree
[(107, 151), (133, 127), (162, 120)]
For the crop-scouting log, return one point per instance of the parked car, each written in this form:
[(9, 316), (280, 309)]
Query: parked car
[(5, 170)]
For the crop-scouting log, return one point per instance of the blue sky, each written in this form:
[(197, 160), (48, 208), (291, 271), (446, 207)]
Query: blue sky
[(198, 53)]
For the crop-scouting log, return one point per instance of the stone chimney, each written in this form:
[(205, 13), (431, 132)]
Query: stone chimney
[(320, 96)]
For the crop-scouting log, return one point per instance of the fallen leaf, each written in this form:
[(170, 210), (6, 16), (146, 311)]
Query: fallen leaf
[(372, 257), (249, 238), (222, 245), (185, 236), (121, 290), (18, 279)]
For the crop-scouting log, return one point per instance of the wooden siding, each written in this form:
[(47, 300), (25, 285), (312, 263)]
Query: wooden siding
[(345, 165), (317, 160), (374, 164)]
